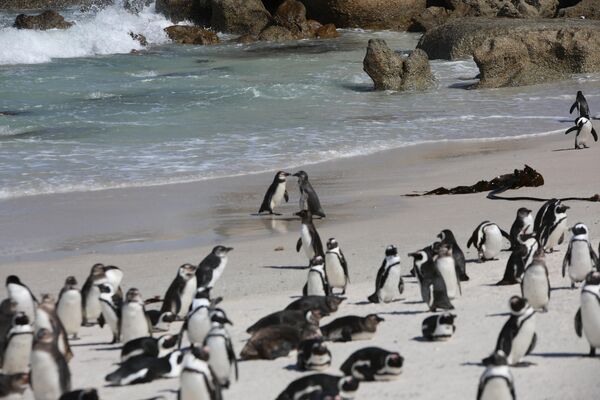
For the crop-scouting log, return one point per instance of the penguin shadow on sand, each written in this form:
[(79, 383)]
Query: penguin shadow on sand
[(560, 355), (556, 289), (366, 303), (407, 312), (501, 314), (302, 267), (522, 364)]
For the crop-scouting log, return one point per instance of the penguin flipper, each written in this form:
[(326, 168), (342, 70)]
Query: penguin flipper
[(232, 358), (567, 259), (365, 371), (101, 320), (571, 129), (507, 335), (286, 196), (373, 298), (573, 107), (506, 235), (305, 289), (593, 255), (532, 345), (298, 245), (401, 285), (578, 323), (595, 135)]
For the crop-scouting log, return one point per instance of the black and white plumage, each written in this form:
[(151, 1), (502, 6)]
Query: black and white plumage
[(319, 386), (431, 283), (22, 296), (351, 327), (496, 382), (17, 347), (134, 322), (521, 256), (142, 369), (325, 304), (439, 327), (276, 341), (222, 355), (587, 318), (308, 197), (296, 318), (444, 264), (149, 346), (111, 303), (373, 364), (197, 380), (581, 105), (551, 224), (212, 267), (81, 394), (199, 320), (160, 321), (336, 266), (388, 284), (68, 307), (316, 281), (535, 286), (523, 225), (13, 384), (585, 132), (580, 258), (309, 237), (313, 355), (487, 239), (275, 193), (8, 311), (447, 237), (90, 294), (181, 292), (50, 375), (46, 317)]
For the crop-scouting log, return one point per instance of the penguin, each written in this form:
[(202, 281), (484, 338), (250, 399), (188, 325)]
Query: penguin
[(148, 346), (581, 105), (275, 193), (134, 323), (517, 337), (198, 321), (222, 355), (8, 309), (142, 369), (13, 383), (17, 349), (212, 266), (351, 327), (277, 341), (320, 385), (313, 355), (523, 225), (551, 224), (447, 237), (197, 380), (325, 304), (444, 264), (316, 282), (439, 327), (90, 294), (50, 376), (496, 382), (46, 317), (585, 129), (373, 364), (388, 284), (580, 258), (336, 267), (287, 317), (521, 256), (431, 282), (309, 237), (308, 197), (587, 318), (160, 322), (110, 306), (22, 296), (81, 394), (535, 286), (487, 239), (180, 294), (68, 307)]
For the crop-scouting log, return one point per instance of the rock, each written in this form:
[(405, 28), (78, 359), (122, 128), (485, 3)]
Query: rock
[(246, 39), (291, 14), (47, 20), (275, 33), (368, 14), (503, 8), (140, 38), (391, 71), (328, 31), (41, 4), (532, 57), (589, 9), (135, 6), (429, 19), (197, 11), (239, 16), (191, 35)]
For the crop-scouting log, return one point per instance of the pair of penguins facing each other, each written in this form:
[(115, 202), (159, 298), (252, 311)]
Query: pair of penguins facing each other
[(583, 124), (277, 192)]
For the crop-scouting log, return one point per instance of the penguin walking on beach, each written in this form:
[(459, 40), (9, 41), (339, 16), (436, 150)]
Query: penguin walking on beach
[(496, 382), (587, 318), (197, 380), (487, 239), (521, 256), (68, 307), (181, 292), (336, 267), (46, 317), (447, 237), (17, 348), (90, 294), (535, 286), (431, 282), (316, 282), (388, 284), (444, 263), (222, 355), (581, 105), (197, 323), (19, 293), (50, 376), (212, 267), (585, 131), (142, 369), (318, 386), (551, 224), (523, 225), (580, 258), (373, 364), (134, 323), (308, 197), (110, 306), (275, 193), (309, 237)]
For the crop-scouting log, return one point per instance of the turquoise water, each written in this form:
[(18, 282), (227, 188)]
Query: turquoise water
[(83, 114)]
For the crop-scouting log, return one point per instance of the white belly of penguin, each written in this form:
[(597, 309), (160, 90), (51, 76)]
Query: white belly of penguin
[(92, 304), (277, 196), (318, 362), (189, 291), (581, 262), (389, 291), (24, 301), (133, 323), (535, 286), (522, 341), (69, 311), (388, 373), (584, 135), (446, 267), (334, 271), (198, 326), (42, 320), (314, 284), (217, 272), (556, 234), (493, 242), (219, 360), (590, 317), (45, 376), (496, 389), (193, 386), (16, 356), (307, 242)]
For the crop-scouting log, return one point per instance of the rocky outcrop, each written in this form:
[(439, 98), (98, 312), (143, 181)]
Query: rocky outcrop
[(589, 9), (47, 20), (429, 19), (275, 33), (191, 35), (135, 6), (291, 14), (328, 31), (239, 16), (138, 37), (197, 11), (391, 71), (41, 4)]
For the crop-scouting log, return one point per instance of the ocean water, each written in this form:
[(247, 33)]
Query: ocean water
[(82, 114)]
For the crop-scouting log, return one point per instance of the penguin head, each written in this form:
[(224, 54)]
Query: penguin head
[(48, 301), (44, 335), (447, 236), (221, 251), (579, 229), (446, 318), (282, 175), (133, 296), (444, 250), (88, 394), (219, 316), (105, 288), (523, 213), (373, 320), (581, 121), (560, 208), (97, 270), (518, 305), (20, 318), (391, 251), (187, 271), (347, 386), (318, 347), (168, 342), (201, 353), (498, 358), (13, 279), (70, 281), (314, 316), (394, 360), (203, 292), (333, 302), (332, 244), (305, 216), (593, 278), (302, 176), (539, 255), (317, 260)]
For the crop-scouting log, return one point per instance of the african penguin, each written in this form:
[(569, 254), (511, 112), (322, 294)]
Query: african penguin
[(142, 369), (110, 306), (487, 239), (275, 194), (581, 105), (23, 297), (180, 294), (309, 237), (551, 224), (316, 282), (160, 322), (431, 282), (212, 267), (521, 256), (197, 380), (496, 382), (8, 309), (199, 320), (308, 197), (321, 385), (68, 308), (439, 327), (81, 394), (325, 304), (46, 317), (585, 131), (447, 237), (222, 355), (523, 225), (134, 323), (373, 364), (276, 341), (388, 284), (149, 346), (580, 258), (336, 267), (18, 344), (587, 318), (535, 286), (444, 264), (351, 327), (313, 355), (90, 294), (288, 317), (50, 375), (13, 383)]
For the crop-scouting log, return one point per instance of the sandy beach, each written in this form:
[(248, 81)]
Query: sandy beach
[(366, 210)]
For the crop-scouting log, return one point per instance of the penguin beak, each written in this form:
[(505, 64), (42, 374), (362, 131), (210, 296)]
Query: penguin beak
[(296, 174), (228, 249), (286, 174)]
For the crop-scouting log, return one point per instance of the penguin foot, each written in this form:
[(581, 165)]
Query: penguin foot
[(75, 337), (573, 286), (373, 298), (592, 351), (464, 278)]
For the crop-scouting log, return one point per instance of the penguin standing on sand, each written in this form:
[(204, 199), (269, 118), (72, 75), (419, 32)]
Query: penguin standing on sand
[(68, 307), (487, 239), (431, 282), (308, 197), (523, 225), (581, 105), (535, 286), (17, 349), (197, 380), (444, 264), (90, 294), (309, 237), (46, 317), (551, 224), (446, 236), (373, 364), (496, 382), (520, 257), (198, 322), (316, 282), (275, 194), (580, 258), (222, 355), (585, 131), (212, 267), (336, 267), (587, 318), (50, 376), (22, 296), (134, 323), (111, 304), (388, 284), (181, 292)]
